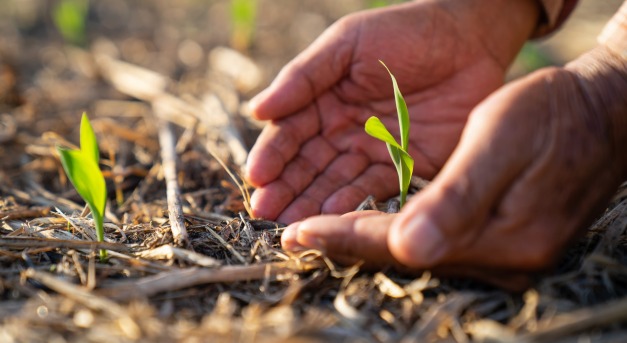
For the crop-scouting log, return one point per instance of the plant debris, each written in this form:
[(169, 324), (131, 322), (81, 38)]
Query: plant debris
[(186, 263)]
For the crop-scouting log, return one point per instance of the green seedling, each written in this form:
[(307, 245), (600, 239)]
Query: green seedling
[(81, 167), (70, 18), (382, 3), (403, 162), (243, 18)]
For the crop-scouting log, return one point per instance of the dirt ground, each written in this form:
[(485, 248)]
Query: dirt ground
[(164, 88)]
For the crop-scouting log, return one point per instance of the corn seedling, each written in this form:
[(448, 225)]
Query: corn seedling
[(70, 18), (403, 162), (382, 3), (81, 167), (243, 18)]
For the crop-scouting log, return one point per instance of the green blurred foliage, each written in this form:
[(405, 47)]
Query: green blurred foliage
[(243, 17), (70, 18), (531, 58), (383, 3)]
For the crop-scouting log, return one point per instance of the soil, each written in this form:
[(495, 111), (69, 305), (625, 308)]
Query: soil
[(186, 263)]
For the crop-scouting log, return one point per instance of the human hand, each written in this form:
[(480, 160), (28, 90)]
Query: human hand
[(538, 160), (314, 156)]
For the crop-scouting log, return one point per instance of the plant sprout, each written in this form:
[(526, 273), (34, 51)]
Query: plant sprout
[(382, 3), (81, 167), (403, 162), (243, 18), (70, 17)]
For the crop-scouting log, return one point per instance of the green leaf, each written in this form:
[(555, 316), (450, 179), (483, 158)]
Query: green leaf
[(86, 177), (70, 17), (243, 18), (243, 12), (401, 109), (403, 162), (375, 128), (405, 178), (404, 168), (89, 144), (81, 167)]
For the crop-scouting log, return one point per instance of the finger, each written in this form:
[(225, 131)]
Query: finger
[(312, 72), (357, 237), (288, 238), (339, 173), (314, 157), (278, 143), (378, 180), (360, 237), (270, 200), (445, 221)]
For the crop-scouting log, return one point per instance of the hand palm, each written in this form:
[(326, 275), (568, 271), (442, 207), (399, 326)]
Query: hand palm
[(314, 157)]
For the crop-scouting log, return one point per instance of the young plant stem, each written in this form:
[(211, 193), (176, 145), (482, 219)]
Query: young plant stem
[(99, 224), (403, 162)]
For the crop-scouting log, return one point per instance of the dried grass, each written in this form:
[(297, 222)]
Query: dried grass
[(222, 276)]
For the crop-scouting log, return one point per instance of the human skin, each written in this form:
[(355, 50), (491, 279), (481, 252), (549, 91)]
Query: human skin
[(515, 192), (538, 160), (314, 156)]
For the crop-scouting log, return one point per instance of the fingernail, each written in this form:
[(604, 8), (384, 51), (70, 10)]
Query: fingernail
[(288, 238), (295, 239), (429, 242), (254, 102)]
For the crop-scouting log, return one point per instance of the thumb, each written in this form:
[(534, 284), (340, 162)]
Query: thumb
[(312, 72)]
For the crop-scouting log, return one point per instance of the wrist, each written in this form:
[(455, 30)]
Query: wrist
[(614, 35), (503, 25), (602, 79)]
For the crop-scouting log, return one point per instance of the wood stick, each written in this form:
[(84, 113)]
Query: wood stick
[(22, 213), (184, 278), (32, 242), (215, 111), (569, 324), (168, 252), (173, 192)]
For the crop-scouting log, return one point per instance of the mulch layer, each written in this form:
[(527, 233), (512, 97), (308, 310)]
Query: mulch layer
[(166, 97)]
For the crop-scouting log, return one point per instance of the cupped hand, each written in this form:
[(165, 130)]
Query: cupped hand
[(538, 160), (314, 156)]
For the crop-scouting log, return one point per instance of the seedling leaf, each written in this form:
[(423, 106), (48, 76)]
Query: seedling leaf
[(243, 17), (81, 167), (401, 109), (375, 128), (70, 17), (403, 162), (89, 145), (86, 177), (404, 168)]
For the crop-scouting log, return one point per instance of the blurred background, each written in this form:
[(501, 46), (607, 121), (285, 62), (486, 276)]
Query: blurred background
[(172, 37), (49, 74), (575, 37)]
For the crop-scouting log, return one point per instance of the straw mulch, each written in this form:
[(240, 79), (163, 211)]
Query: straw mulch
[(186, 262)]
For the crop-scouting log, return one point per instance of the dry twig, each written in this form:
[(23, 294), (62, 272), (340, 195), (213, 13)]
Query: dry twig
[(184, 278), (175, 207)]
